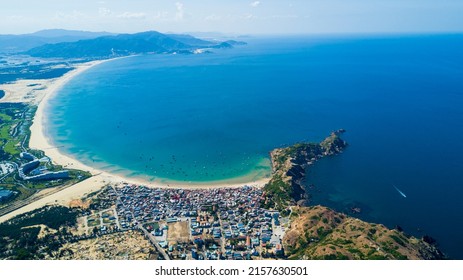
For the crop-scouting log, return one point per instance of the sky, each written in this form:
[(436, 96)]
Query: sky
[(234, 16)]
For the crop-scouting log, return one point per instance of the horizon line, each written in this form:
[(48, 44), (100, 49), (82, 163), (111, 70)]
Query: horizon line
[(237, 34)]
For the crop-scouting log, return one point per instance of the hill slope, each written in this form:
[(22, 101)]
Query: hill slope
[(321, 233)]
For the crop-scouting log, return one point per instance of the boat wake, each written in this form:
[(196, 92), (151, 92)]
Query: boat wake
[(399, 191)]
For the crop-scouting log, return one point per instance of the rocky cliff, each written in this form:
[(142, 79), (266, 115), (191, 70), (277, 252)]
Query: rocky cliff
[(289, 165)]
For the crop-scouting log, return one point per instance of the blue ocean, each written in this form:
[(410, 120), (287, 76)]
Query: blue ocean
[(215, 117)]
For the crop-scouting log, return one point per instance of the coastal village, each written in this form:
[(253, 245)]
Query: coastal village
[(212, 224)]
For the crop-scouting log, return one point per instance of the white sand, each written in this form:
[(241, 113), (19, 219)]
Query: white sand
[(24, 91), (40, 94)]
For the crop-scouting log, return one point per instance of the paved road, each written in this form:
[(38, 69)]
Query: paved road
[(147, 234), (153, 241)]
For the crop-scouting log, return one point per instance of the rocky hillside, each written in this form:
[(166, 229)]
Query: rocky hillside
[(321, 233), (289, 164)]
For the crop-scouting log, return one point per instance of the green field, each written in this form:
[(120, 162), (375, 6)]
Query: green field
[(15, 122)]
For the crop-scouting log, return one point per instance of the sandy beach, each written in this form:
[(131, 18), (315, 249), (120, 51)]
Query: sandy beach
[(39, 92)]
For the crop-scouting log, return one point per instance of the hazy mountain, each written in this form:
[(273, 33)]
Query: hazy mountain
[(190, 40), (215, 35), (124, 44), (20, 43), (57, 33)]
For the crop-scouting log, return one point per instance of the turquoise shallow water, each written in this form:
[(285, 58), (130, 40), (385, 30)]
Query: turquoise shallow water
[(216, 116)]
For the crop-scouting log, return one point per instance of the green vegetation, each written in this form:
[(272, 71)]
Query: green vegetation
[(11, 119), (53, 217), (390, 249), (341, 242), (19, 237), (276, 189), (284, 189), (15, 121), (357, 252), (323, 233), (399, 240)]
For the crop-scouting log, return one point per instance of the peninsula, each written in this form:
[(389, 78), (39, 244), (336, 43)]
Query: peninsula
[(289, 165)]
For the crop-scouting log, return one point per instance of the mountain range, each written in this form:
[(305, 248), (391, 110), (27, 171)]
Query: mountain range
[(24, 42), (57, 43)]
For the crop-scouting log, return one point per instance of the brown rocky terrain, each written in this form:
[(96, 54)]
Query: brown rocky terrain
[(320, 233), (129, 245)]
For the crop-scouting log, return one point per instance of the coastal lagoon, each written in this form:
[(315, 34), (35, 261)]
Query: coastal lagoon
[(214, 117)]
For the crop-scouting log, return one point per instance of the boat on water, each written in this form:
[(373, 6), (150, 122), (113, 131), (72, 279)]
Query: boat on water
[(400, 192)]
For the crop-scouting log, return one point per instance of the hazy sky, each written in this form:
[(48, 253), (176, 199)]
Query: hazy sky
[(234, 16)]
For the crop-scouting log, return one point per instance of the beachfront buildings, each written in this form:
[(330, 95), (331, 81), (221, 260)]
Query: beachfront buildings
[(223, 223)]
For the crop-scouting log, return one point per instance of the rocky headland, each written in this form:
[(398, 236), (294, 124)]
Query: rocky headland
[(317, 232), (289, 169)]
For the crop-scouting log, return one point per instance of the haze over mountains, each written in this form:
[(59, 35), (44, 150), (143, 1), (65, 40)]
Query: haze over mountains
[(57, 43), (19, 43)]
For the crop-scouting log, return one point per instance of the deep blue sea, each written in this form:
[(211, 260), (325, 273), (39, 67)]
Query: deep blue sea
[(212, 117)]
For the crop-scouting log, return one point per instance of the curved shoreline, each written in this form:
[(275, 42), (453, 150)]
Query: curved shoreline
[(43, 92), (100, 178)]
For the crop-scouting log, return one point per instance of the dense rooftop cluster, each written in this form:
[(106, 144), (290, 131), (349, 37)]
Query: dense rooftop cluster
[(219, 223)]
